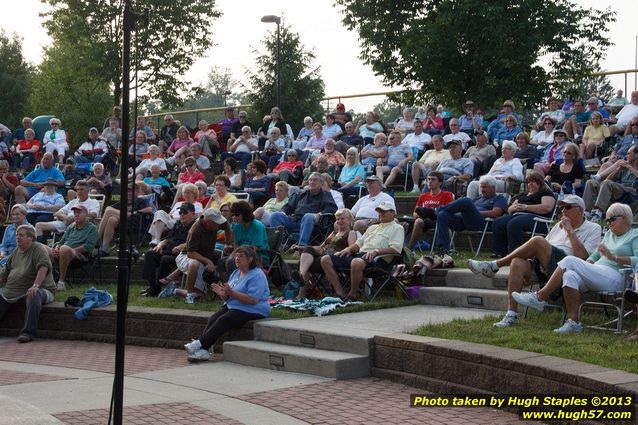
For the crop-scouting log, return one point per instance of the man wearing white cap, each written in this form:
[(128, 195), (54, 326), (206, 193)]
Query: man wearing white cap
[(573, 235), (380, 239)]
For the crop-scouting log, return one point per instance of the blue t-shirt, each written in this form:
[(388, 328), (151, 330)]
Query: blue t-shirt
[(488, 204), (254, 235), (255, 285), (159, 182), (349, 173), (42, 198), (40, 175)]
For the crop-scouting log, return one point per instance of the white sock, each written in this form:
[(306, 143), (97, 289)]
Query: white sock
[(511, 313), (415, 187), (493, 265)]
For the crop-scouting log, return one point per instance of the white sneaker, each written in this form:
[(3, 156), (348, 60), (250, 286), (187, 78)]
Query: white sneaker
[(193, 346), (190, 298), (200, 355), (529, 299), (60, 286), (506, 322), (481, 267), (168, 291), (569, 327), (415, 190)]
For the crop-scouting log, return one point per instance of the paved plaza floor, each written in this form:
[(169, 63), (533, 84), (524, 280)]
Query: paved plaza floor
[(56, 381)]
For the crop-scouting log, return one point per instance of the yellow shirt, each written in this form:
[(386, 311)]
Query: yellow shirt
[(229, 197), (382, 235), (433, 155), (596, 135)]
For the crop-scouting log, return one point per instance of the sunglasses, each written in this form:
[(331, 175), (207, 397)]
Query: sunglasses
[(565, 207), (183, 212), (612, 218)]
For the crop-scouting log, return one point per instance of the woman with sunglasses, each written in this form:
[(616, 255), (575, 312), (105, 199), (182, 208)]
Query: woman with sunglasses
[(553, 153), (544, 136), (600, 272), (567, 175), (163, 221)]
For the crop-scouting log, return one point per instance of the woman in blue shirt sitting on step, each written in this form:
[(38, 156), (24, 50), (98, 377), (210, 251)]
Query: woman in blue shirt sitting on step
[(246, 298)]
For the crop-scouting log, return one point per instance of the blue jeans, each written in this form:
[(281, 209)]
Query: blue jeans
[(458, 215), (305, 226), (508, 231)]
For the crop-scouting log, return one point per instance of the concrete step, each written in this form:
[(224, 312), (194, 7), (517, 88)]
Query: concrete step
[(464, 278), (492, 299), (287, 358), (294, 333)]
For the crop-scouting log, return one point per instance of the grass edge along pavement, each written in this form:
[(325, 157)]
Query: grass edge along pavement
[(213, 304), (535, 334)]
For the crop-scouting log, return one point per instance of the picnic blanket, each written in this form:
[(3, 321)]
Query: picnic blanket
[(319, 307)]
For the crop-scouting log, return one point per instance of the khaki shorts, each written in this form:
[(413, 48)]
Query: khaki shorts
[(183, 263)]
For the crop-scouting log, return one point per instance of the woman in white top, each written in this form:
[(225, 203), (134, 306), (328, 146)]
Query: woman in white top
[(145, 165), (405, 124), (331, 129), (163, 221), (55, 140), (505, 168), (544, 137)]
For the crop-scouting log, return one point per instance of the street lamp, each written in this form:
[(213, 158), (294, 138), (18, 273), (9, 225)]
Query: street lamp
[(277, 20), (226, 94)]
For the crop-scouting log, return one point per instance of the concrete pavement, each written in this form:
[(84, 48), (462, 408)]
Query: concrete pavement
[(55, 381)]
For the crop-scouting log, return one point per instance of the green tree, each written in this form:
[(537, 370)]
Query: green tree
[(15, 80), (301, 85), (64, 87), (213, 93), (487, 51), (179, 32)]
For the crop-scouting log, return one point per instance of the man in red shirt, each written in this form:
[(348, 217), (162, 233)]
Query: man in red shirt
[(432, 199)]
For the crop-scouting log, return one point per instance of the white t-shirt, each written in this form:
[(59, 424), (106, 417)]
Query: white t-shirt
[(626, 114), (589, 234), (463, 137), (366, 207), (414, 141)]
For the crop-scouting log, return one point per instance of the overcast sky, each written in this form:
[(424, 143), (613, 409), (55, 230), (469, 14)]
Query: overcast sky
[(319, 24)]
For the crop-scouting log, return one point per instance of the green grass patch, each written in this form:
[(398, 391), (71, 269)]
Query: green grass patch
[(212, 303), (536, 334)]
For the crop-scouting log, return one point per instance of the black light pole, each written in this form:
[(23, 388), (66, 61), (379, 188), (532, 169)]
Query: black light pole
[(277, 20), (123, 255)]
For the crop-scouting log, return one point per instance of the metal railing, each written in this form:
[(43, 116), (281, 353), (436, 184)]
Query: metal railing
[(203, 112)]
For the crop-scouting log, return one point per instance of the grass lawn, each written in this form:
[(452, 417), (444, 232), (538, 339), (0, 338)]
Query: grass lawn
[(536, 334), (213, 304)]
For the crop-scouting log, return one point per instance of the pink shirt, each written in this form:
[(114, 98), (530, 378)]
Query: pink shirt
[(187, 177), (177, 144)]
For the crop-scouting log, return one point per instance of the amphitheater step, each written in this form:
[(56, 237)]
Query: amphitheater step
[(297, 333), (464, 278), (492, 299), (288, 358)]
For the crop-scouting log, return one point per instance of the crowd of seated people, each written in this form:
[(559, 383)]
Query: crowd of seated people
[(469, 172)]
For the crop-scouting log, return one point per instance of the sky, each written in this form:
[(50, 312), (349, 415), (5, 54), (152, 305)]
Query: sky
[(319, 24)]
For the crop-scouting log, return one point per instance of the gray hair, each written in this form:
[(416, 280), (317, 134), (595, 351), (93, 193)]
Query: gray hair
[(196, 146), (190, 187), (247, 127), (622, 210), (55, 121), (29, 130), (356, 153), (319, 175), (20, 207), (510, 144), (488, 180)]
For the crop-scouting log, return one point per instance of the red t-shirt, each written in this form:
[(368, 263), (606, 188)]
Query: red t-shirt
[(27, 146), (187, 177), (433, 201)]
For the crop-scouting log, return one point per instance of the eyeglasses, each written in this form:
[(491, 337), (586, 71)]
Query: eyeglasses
[(190, 165), (592, 103), (569, 152), (612, 218), (183, 212), (559, 135), (566, 207)]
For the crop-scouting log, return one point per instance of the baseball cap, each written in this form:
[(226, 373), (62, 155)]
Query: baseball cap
[(455, 142), (213, 214), (341, 106), (51, 182), (93, 129), (80, 208), (386, 206), (374, 179), (187, 207), (573, 200)]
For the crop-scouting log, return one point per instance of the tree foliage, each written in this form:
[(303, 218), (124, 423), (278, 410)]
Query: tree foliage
[(301, 85), (179, 32), (487, 51), (63, 86), (218, 82), (15, 80)]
